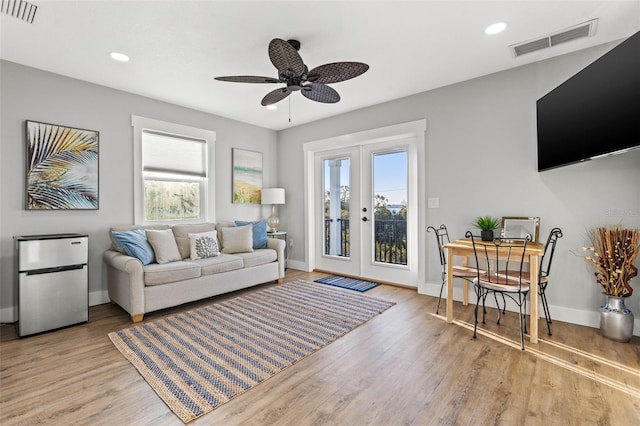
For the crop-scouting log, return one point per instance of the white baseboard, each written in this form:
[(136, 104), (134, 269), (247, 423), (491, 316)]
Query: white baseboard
[(298, 265), (560, 313), (99, 297), (10, 314)]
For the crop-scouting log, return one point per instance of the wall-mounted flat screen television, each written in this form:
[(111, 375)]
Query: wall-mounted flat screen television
[(594, 113)]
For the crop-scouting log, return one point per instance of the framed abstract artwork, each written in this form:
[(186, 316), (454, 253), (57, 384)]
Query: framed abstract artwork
[(247, 176), (62, 167)]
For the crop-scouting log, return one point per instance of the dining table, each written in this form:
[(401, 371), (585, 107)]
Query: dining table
[(463, 248)]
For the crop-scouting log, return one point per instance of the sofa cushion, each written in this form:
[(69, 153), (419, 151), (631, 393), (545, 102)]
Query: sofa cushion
[(204, 245), (124, 228), (219, 227), (238, 239), (134, 243), (181, 232), (258, 257), (164, 245), (155, 273), (259, 232), (218, 264)]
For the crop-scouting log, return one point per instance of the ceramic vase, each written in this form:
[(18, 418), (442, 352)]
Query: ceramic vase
[(616, 321)]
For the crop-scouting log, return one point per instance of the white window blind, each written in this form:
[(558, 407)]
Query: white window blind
[(165, 153)]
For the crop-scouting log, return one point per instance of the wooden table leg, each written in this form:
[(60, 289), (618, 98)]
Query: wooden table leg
[(534, 266), (449, 285), (465, 285)]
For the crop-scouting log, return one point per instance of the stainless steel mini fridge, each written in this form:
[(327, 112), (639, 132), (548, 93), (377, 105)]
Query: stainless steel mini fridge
[(53, 281)]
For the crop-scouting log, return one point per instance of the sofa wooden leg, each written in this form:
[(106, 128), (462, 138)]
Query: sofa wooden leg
[(137, 318), (280, 280)]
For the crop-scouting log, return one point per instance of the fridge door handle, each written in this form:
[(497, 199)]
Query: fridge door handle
[(51, 270)]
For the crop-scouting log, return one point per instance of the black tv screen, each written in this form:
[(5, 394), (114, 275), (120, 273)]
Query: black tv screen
[(595, 112)]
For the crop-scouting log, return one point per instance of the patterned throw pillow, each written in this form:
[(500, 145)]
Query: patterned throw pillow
[(204, 245)]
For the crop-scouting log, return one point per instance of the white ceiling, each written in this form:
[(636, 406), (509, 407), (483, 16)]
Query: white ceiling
[(177, 47)]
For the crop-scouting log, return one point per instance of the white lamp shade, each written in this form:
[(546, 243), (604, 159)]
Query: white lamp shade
[(272, 196)]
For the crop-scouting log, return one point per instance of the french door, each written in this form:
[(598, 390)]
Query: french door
[(365, 214)]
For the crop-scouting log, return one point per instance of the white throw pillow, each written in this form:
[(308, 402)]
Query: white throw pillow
[(204, 244), (238, 239), (164, 245)]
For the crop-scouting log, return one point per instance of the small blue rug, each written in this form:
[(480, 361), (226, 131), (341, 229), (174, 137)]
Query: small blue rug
[(349, 283)]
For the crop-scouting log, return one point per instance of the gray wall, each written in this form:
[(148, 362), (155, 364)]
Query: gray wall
[(489, 119), (481, 158), (31, 94)]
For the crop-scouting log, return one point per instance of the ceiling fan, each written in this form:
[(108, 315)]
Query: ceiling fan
[(297, 77)]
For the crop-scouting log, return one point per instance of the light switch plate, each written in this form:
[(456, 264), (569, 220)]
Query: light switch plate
[(433, 203)]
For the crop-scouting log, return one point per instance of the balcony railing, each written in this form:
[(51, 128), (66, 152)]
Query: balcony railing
[(390, 240)]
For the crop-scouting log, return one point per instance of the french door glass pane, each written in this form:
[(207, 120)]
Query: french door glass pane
[(390, 207), (336, 206)]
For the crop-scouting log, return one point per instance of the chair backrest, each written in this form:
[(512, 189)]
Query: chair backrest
[(442, 237), (549, 249), (501, 259)]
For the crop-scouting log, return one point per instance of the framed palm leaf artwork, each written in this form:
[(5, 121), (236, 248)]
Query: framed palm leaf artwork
[(62, 167)]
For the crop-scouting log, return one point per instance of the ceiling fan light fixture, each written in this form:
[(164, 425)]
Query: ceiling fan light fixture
[(120, 57), (496, 28), (292, 71)]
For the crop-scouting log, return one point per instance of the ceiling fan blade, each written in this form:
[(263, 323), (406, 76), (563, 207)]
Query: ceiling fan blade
[(337, 71), (275, 96), (320, 93), (248, 79), (284, 57)]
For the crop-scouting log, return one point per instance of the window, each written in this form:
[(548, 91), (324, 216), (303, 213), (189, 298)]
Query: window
[(172, 172)]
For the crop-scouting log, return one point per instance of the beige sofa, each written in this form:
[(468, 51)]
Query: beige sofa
[(139, 288)]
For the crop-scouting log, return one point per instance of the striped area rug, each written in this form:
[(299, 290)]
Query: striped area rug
[(197, 360), (345, 282)]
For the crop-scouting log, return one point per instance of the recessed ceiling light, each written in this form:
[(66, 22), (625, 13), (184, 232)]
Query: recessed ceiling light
[(117, 56), (272, 106), (496, 28)]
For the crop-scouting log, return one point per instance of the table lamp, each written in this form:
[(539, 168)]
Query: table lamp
[(273, 196)]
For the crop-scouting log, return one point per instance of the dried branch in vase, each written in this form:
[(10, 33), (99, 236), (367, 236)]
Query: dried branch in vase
[(614, 254)]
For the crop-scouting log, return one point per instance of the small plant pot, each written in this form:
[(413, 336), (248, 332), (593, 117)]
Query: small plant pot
[(486, 235)]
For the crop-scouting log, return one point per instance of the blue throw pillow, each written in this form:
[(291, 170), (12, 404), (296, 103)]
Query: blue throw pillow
[(135, 244), (259, 232)]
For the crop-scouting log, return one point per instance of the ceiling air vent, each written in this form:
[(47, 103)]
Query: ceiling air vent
[(586, 29), (19, 9)]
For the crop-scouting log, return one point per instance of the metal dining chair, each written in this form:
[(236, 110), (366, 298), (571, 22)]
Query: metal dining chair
[(543, 274), (464, 272), (502, 261), (545, 267)]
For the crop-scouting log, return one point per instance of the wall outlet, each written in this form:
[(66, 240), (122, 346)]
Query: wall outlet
[(290, 242)]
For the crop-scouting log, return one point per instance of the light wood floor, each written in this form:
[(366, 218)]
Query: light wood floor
[(404, 367)]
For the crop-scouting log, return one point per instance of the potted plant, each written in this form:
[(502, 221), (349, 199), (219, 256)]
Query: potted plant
[(486, 224), (612, 255)]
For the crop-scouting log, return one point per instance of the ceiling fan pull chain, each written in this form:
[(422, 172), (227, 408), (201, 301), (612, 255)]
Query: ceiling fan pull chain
[(289, 109)]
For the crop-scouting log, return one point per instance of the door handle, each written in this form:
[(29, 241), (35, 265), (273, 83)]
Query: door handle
[(364, 219)]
